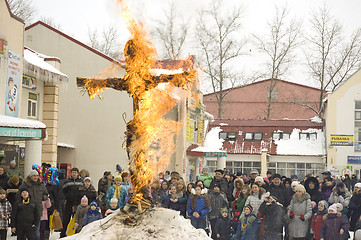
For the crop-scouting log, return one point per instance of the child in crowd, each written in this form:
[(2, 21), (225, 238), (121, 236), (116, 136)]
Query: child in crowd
[(44, 218), (205, 177), (113, 206), (333, 225), (172, 200), (5, 211), (198, 207), (340, 209), (317, 219), (92, 214), (80, 212), (223, 225), (248, 225), (24, 216)]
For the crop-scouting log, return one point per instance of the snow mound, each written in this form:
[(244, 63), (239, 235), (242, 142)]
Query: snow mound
[(158, 223)]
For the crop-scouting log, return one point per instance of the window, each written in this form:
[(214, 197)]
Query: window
[(230, 136), (253, 136), (223, 135), (212, 165), (280, 135), (308, 136), (273, 94), (32, 105), (243, 167), (300, 169)]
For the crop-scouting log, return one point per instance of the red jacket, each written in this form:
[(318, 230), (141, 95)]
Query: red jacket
[(316, 225)]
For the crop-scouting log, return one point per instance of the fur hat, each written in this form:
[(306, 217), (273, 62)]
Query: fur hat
[(339, 206), (259, 179), (33, 173), (358, 185), (300, 188), (84, 199), (118, 178), (333, 208), (294, 183)]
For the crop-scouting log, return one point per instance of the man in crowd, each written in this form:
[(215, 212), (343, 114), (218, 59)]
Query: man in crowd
[(277, 189), (14, 170), (253, 174), (220, 180)]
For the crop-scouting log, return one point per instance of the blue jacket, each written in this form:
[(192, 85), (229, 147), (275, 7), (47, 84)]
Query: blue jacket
[(110, 194), (200, 207), (91, 217), (171, 205), (250, 231), (123, 194)]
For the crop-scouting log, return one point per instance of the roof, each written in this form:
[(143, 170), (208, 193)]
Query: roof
[(266, 123), (72, 39), (12, 15), (265, 80), (6, 121)]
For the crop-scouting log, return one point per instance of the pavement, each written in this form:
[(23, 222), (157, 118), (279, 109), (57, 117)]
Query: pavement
[(55, 235)]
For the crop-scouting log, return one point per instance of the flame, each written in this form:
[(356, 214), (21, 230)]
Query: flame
[(152, 143)]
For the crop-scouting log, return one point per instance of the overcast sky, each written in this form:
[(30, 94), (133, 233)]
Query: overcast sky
[(76, 16)]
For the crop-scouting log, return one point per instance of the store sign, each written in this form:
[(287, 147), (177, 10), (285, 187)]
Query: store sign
[(216, 154), (29, 82), (354, 159), (341, 140), (12, 85), (20, 132), (2, 46)]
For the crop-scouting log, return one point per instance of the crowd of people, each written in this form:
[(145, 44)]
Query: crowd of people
[(227, 206)]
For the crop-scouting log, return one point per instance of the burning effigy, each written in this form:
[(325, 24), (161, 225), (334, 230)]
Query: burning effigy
[(151, 103)]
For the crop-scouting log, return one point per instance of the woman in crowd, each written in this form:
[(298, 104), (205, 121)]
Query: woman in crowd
[(256, 198), (181, 187), (198, 208), (340, 195)]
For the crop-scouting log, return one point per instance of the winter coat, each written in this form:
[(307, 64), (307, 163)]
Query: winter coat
[(347, 182), (172, 205), (45, 204), (89, 192), (91, 216), (109, 196), (25, 215), (331, 226), (183, 203), (200, 207), (247, 228), (123, 194), (221, 182), (4, 178), (240, 203), (273, 216), (255, 201), (53, 191), (279, 192), (299, 205), (103, 186), (289, 196), (79, 215), (315, 193), (223, 228), (237, 191), (326, 191), (5, 209), (110, 211), (354, 209), (316, 223), (343, 198), (11, 196), (15, 171), (37, 192), (218, 201), (207, 179), (71, 190)]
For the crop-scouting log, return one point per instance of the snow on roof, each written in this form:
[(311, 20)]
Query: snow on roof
[(65, 145), (209, 116), (35, 64), (296, 146), (316, 119), (6, 121), (212, 142)]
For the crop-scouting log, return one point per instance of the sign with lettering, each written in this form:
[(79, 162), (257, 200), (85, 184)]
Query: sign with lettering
[(12, 85), (341, 140), (216, 154), (20, 132), (29, 82), (354, 159), (2, 46)]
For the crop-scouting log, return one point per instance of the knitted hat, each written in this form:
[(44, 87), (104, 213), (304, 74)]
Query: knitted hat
[(94, 203), (118, 178), (294, 176), (205, 167), (358, 185), (88, 178), (259, 179), (2, 191), (224, 210), (13, 162), (294, 183), (33, 173), (339, 206), (14, 179), (324, 204), (300, 188), (254, 171), (249, 207), (276, 175), (333, 208), (114, 200), (24, 189), (84, 199)]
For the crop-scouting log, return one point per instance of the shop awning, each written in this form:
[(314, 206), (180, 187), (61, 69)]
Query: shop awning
[(195, 150), (12, 127)]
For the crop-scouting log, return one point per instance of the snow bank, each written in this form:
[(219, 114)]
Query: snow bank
[(212, 142), (159, 223), (296, 146)]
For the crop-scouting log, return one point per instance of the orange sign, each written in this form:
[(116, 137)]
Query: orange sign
[(2, 46)]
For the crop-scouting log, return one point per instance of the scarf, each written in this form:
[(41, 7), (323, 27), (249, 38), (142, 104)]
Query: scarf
[(117, 191), (26, 201), (93, 211)]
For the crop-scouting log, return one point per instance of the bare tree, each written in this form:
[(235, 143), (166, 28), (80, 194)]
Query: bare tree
[(51, 22), (279, 47), (172, 32), (331, 58), (23, 9), (107, 41), (220, 44)]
